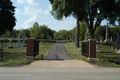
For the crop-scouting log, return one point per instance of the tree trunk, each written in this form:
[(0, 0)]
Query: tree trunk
[(91, 31), (77, 41)]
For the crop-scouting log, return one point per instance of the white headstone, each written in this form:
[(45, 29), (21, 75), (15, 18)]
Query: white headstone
[(107, 34), (10, 43), (98, 47), (19, 44)]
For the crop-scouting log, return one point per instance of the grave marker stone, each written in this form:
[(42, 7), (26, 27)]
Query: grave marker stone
[(10, 43), (98, 47), (19, 44), (107, 34)]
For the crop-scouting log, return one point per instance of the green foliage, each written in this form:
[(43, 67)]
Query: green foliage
[(87, 34), (41, 31), (115, 30), (101, 32), (62, 35), (83, 28), (14, 62), (34, 32), (7, 19)]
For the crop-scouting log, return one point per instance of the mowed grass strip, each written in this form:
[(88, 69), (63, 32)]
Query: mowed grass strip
[(74, 51), (43, 49), (106, 58)]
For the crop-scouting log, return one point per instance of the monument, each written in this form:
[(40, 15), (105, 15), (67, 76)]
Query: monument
[(107, 35), (98, 47), (10, 43), (19, 44)]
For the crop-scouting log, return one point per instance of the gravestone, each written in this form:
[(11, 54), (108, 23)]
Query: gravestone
[(118, 52), (111, 39), (41, 43), (19, 44), (107, 35), (10, 43), (47, 36), (98, 47), (101, 41)]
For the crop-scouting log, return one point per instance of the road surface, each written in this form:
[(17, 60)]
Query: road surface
[(58, 52), (59, 73)]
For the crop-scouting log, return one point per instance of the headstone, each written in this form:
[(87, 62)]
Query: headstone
[(74, 46), (107, 34), (47, 36), (111, 39), (101, 41), (19, 44), (41, 43), (98, 47), (10, 43), (118, 52), (118, 36)]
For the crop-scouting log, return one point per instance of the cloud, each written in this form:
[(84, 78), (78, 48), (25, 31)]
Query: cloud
[(32, 11), (20, 1), (50, 7), (18, 12), (30, 2), (32, 20), (47, 12)]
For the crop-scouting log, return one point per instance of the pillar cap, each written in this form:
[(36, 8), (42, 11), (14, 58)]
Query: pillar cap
[(91, 39)]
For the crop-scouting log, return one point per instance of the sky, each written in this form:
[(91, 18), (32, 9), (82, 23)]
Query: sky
[(28, 12)]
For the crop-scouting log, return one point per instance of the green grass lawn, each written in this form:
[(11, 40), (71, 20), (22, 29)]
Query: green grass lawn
[(106, 58), (17, 55)]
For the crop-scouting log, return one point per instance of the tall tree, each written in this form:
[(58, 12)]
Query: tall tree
[(34, 32), (7, 19), (98, 10), (65, 8)]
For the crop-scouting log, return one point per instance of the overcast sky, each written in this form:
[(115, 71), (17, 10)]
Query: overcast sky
[(30, 11)]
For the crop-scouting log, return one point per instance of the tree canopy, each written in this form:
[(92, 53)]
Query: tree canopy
[(92, 11), (41, 31), (7, 19)]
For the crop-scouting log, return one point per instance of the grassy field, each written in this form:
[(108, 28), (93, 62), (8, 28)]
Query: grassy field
[(17, 55), (106, 58)]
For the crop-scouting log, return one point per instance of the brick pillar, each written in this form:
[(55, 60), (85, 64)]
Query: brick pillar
[(92, 48), (30, 49)]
